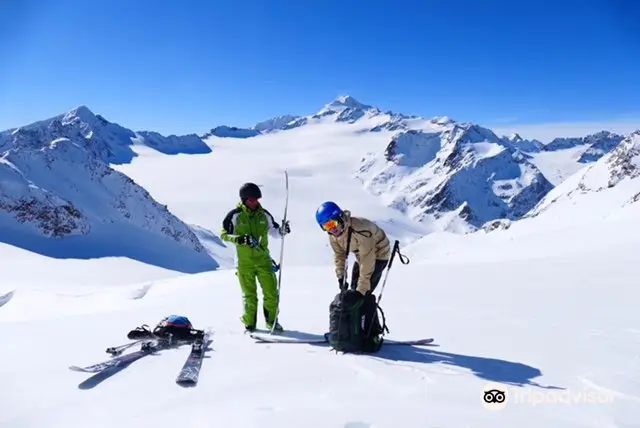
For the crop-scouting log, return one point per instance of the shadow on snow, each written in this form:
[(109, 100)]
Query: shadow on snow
[(489, 369)]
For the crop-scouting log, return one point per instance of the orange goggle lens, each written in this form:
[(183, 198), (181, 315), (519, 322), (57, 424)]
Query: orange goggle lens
[(330, 225)]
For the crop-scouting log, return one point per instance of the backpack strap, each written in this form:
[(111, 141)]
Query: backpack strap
[(384, 320), (374, 344), (346, 258)]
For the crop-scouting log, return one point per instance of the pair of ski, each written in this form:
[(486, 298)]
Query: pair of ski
[(187, 376), (298, 337)]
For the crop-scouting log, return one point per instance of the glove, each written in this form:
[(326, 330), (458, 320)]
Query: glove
[(284, 229), (247, 240)]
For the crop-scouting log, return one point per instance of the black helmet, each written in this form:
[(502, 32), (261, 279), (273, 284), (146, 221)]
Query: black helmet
[(250, 191)]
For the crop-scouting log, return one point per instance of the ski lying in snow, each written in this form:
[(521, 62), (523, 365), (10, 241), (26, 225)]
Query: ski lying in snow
[(147, 347), (285, 337), (190, 371), (188, 374)]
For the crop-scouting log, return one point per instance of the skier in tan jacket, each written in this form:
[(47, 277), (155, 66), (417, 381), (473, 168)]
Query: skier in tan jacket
[(368, 242)]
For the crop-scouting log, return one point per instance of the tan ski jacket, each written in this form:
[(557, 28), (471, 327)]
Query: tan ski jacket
[(368, 242)]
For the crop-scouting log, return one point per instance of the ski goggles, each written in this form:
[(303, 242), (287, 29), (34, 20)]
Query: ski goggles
[(330, 225)]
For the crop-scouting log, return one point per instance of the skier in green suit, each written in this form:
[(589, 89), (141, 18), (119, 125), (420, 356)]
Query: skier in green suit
[(248, 226)]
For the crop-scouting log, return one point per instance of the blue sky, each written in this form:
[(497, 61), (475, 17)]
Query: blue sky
[(180, 69)]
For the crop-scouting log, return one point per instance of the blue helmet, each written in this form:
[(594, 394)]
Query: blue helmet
[(327, 211)]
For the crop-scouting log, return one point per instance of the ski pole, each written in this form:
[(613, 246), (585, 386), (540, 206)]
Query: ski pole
[(403, 259), (279, 265)]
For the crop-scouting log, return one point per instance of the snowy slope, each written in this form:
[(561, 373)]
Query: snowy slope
[(548, 310), (561, 355), (320, 168), (60, 198), (558, 165)]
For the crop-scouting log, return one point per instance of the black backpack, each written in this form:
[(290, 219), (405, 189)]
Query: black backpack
[(173, 327), (354, 325)]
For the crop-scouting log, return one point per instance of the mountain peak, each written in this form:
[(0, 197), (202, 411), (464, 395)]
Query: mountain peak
[(515, 138), (348, 101), (344, 102), (82, 112)]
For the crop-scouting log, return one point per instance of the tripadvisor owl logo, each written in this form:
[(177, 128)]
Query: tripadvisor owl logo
[(494, 396)]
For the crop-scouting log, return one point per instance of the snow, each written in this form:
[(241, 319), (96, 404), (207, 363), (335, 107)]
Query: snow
[(546, 308), (559, 165)]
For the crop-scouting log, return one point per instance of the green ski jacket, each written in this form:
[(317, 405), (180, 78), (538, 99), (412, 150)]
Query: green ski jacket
[(260, 224)]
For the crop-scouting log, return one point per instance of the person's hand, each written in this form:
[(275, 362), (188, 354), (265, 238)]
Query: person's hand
[(247, 240), (284, 229), (351, 297)]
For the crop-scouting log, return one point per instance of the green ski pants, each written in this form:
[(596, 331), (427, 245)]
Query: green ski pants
[(247, 276)]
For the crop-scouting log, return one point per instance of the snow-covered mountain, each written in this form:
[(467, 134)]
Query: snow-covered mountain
[(109, 141), (564, 157), (56, 182), (346, 109), (172, 144), (527, 146), (277, 123), (343, 109), (458, 175), (595, 145), (617, 172), (598, 145), (224, 131)]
